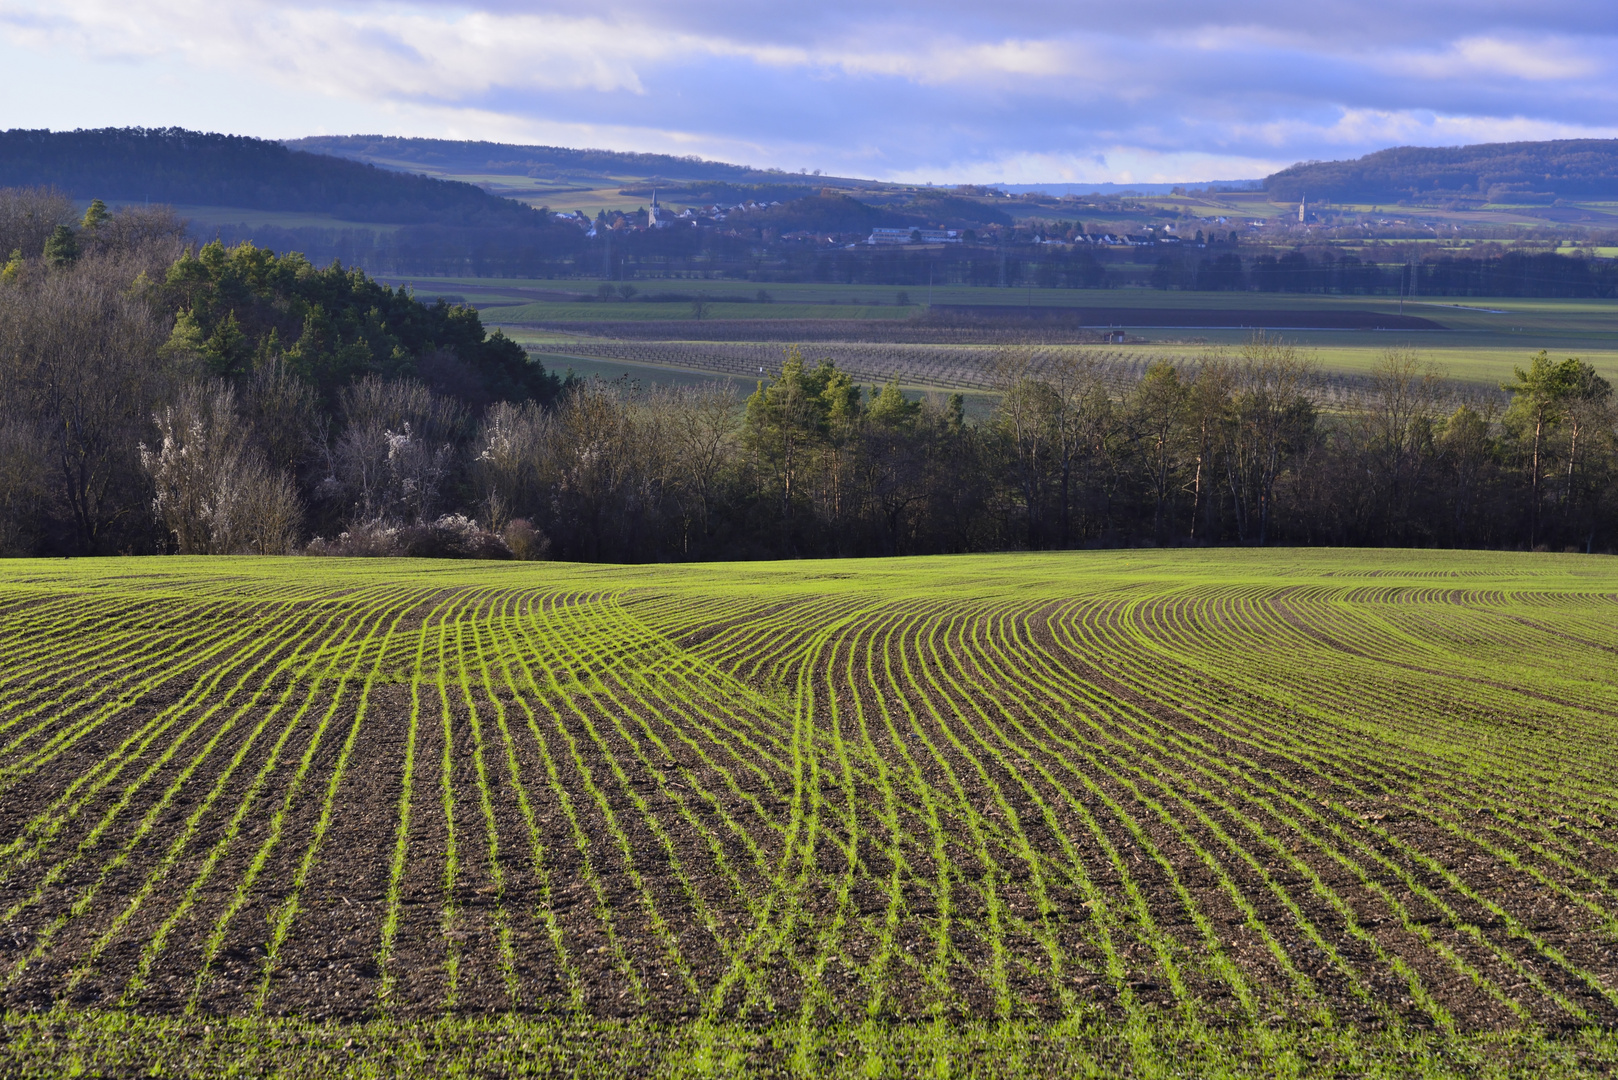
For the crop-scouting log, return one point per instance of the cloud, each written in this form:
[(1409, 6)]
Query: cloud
[(1123, 164), (942, 90), (379, 53), (940, 62), (1542, 60)]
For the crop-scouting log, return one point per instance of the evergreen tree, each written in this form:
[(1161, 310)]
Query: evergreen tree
[(62, 247)]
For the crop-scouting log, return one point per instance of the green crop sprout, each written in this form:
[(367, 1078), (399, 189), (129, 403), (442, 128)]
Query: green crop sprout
[(1160, 813)]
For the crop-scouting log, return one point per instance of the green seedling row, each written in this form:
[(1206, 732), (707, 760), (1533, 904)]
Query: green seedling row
[(1220, 813)]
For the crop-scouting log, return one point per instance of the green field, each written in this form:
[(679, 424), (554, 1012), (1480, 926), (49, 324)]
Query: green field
[(588, 367), (563, 193), (978, 405), (641, 312), (1189, 813), (203, 218)]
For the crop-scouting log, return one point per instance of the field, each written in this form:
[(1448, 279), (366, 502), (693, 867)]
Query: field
[(1155, 813), (919, 369), (1255, 205), (1480, 342), (203, 218)]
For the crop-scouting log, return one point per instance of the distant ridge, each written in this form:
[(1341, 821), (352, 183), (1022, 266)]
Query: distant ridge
[(510, 159), (173, 165), (1522, 173), (1110, 188), (560, 164), (471, 158)]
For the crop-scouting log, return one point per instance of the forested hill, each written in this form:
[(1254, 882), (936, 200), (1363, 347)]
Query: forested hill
[(191, 168), (551, 162), (1520, 172)]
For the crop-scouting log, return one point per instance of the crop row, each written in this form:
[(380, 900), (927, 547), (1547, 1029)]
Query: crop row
[(692, 796), (964, 367)]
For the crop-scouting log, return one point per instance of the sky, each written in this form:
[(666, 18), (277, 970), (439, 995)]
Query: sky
[(938, 91)]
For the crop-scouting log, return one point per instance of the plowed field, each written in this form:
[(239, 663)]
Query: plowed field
[(1317, 813)]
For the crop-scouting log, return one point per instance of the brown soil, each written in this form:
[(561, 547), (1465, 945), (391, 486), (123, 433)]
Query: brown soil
[(1177, 840)]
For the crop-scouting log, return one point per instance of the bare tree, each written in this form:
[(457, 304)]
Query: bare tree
[(1027, 419), (703, 428), (1273, 415), (1465, 444), (895, 451), (1082, 423), (417, 470), (271, 511), (283, 412), (79, 358), (24, 485), (28, 216), (395, 451), (1397, 412), (512, 466), (134, 230), (1590, 424), (1208, 407), (600, 488), (1158, 412), (214, 493)]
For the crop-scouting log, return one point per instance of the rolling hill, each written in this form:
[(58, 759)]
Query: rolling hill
[(563, 178), (1519, 173), (459, 158), (172, 165)]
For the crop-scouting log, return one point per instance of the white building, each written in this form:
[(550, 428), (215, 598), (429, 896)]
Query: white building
[(656, 216), (914, 236)]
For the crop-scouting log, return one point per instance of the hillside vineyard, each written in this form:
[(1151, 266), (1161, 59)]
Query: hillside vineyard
[(1327, 789)]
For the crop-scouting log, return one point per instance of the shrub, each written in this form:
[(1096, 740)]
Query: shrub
[(526, 542), (363, 539), (453, 536)]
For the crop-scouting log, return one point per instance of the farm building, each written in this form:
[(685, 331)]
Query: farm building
[(914, 236)]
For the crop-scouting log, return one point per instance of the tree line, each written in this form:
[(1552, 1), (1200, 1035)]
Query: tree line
[(1246, 449), (159, 397), (560, 251)]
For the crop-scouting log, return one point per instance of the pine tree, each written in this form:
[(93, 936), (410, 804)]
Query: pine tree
[(62, 247)]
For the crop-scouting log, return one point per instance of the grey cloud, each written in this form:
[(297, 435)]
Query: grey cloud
[(911, 85), (1173, 98), (1331, 22)]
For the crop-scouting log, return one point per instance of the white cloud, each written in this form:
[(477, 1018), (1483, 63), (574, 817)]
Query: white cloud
[(1373, 128), (380, 52), (937, 60), (1122, 164), (1024, 91), (1541, 60), (393, 50), (453, 122)]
